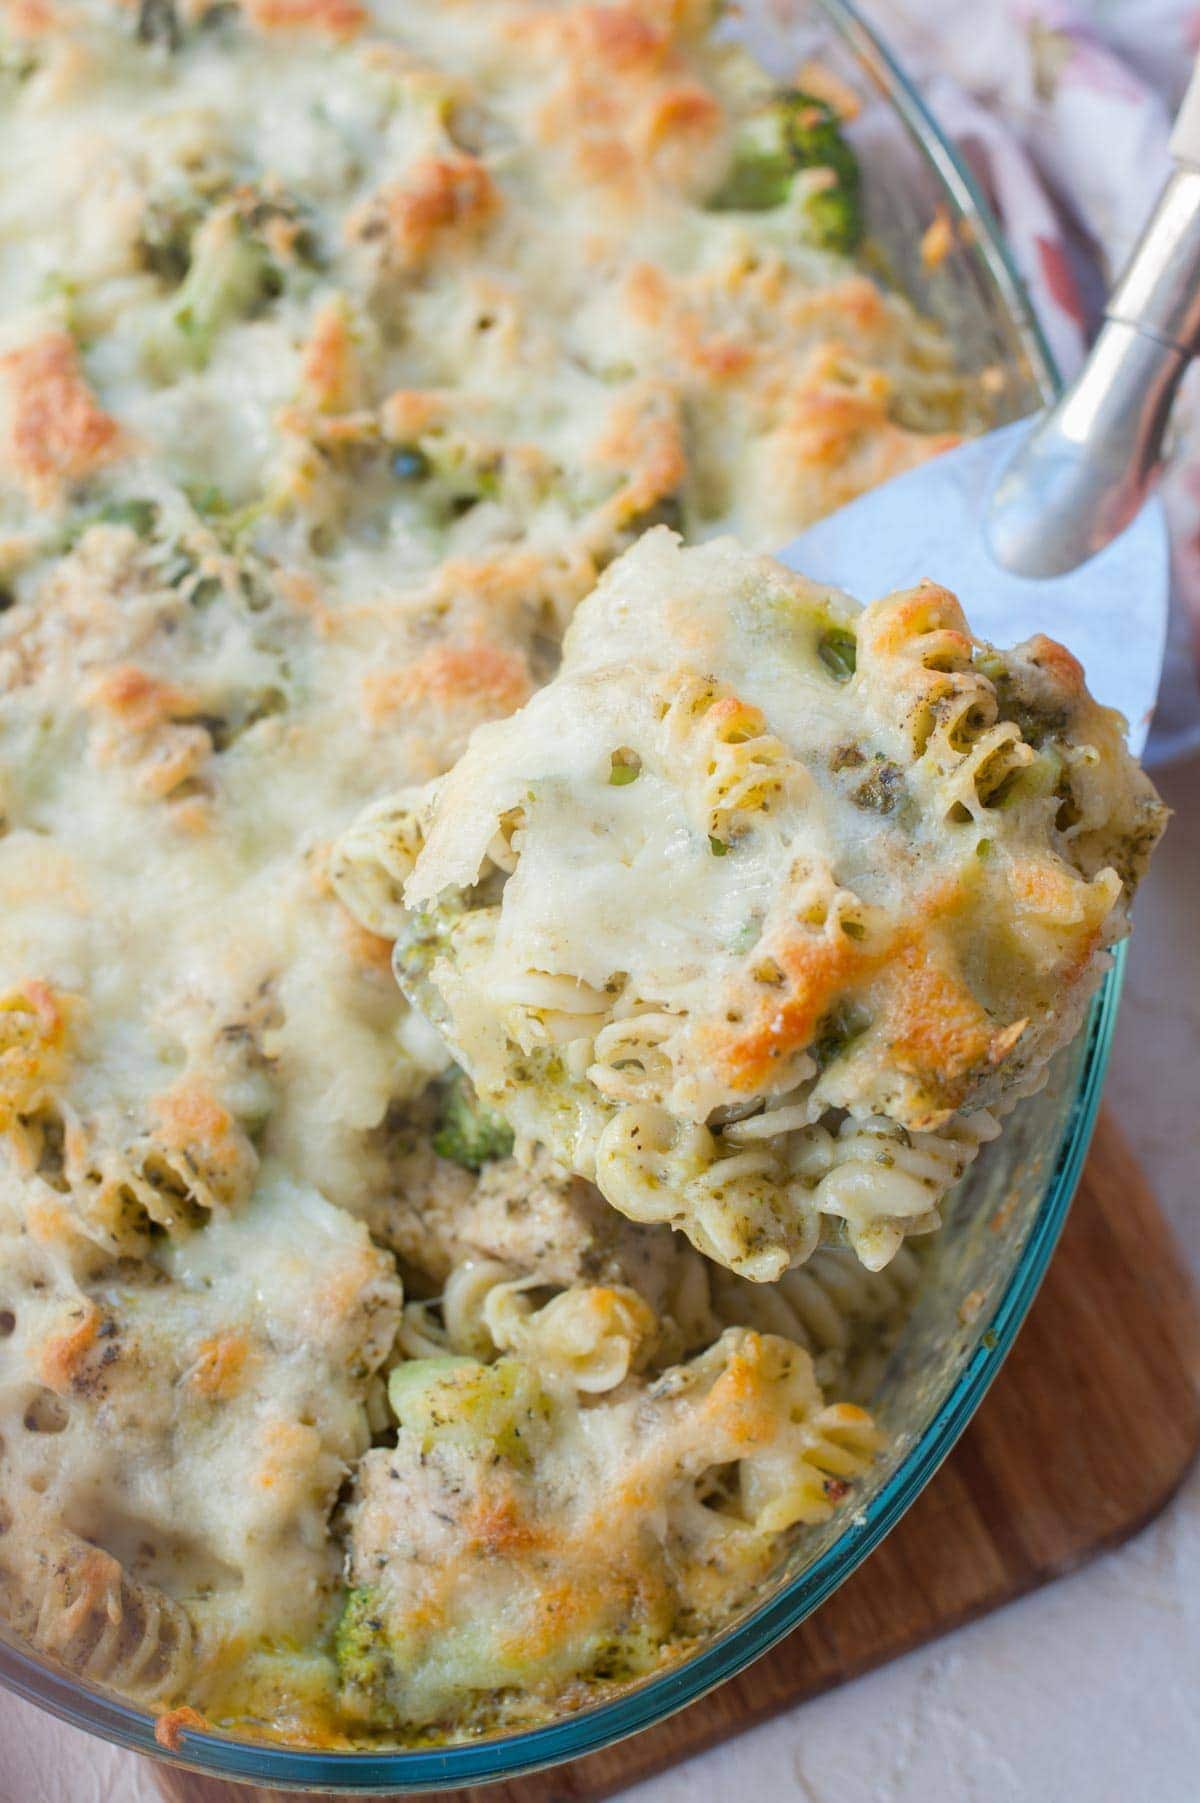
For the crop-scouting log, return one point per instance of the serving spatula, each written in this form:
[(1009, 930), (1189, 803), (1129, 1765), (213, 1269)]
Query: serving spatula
[(1045, 525)]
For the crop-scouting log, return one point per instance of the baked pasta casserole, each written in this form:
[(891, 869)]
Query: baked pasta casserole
[(343, 347)]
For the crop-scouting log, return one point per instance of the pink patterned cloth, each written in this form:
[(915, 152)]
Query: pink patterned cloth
[(1063, 109)]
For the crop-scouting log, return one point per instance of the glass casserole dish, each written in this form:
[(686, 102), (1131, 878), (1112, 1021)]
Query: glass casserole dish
[(942, 1364)]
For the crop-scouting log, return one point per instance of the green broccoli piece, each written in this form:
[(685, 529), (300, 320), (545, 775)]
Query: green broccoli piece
[(838, 651), (423, 939), (462, 1399), (837, 1031), (139, 514), (467, 1132), (793, 134), (360, 1649), (231, 275), (229, 278)]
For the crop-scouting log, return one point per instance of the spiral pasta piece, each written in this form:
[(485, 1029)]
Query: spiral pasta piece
[(75, 1602), (373, 860), (592, 1335)]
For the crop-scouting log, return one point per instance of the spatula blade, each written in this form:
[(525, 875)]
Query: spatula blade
[(1111, 611)]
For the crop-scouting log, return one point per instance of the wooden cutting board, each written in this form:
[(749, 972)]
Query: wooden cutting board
[(1084, 1437)]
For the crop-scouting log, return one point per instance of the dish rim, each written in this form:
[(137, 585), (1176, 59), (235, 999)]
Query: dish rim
[(412, 1771)]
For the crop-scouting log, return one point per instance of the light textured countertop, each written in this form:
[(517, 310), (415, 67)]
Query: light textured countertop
[(1083, 1693)]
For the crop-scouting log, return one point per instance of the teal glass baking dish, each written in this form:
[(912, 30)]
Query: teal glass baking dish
[(985, 1266)]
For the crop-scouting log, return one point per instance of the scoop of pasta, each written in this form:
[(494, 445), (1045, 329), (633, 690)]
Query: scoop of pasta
[(517, 1540), (762, 910)]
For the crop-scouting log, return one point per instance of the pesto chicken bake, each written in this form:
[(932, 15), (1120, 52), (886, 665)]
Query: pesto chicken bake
[(342, 351), (764, 908)]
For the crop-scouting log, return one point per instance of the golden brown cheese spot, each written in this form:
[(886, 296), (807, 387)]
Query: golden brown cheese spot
[(691, 335), (63, 1355), (677, 127), (622, 107), (289, 1451), (222, 1366), (302, 592), (741, 1405), (647, 294), (56, 431), (169, 1727), (823, 83), (913, 615), (28, 20), (148, 721), (50, 1221), (643, 436), (204, 1138), (1050, 891), (365, 949), (331, 365), (499, 1528), (937, 1031), (334, 18), (34, 1022), (335, 432), (817, 968), (480, 675), (839, 434), (138, 700), (408, 412), (1061, 665), (619, 38), (441, 200), (177, 756), (502, 586)]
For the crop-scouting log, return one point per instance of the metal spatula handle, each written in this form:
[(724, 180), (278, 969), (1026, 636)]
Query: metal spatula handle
[(1085, 470)]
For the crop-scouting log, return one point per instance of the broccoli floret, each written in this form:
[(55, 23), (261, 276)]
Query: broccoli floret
[(462, 1399), (838, 651), (360, 1647), (139, 514), (837, 1031), (793, 134), (468, 1132), (230, 276)]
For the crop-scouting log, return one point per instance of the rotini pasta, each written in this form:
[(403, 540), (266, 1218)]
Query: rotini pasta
[(75, 1602), (534, 1234), (591, 1335)]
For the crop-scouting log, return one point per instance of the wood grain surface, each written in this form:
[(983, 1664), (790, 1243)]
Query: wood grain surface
[(1084, 1437)]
